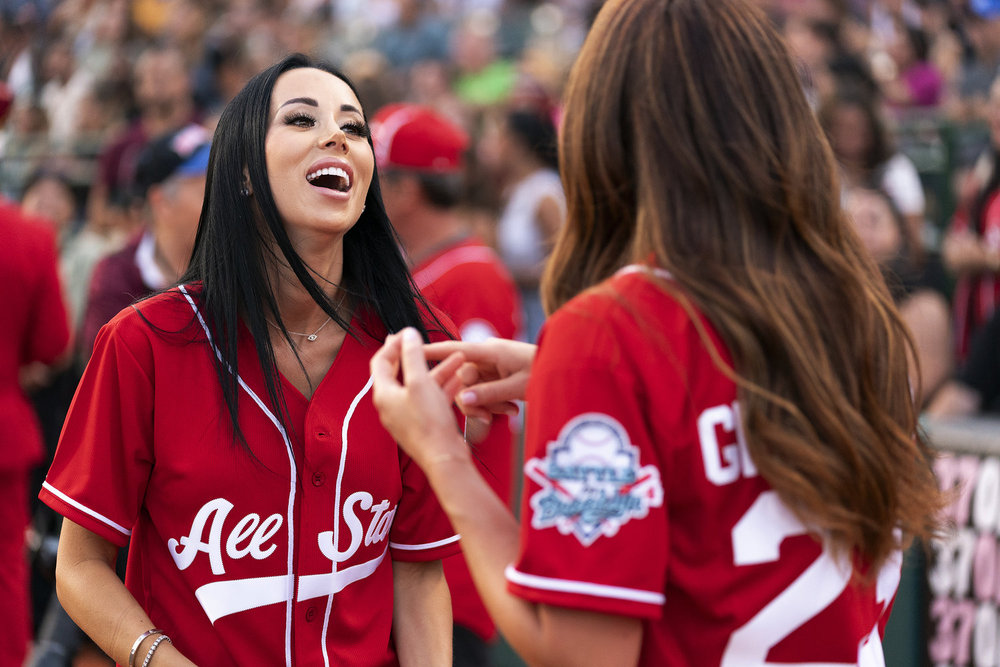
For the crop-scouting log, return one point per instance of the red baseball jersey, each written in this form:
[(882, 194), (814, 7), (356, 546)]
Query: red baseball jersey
[(641, 499), (470, 284), (282, 556)]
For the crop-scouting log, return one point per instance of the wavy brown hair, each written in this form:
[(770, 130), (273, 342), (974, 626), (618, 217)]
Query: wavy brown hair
[(687, 140)]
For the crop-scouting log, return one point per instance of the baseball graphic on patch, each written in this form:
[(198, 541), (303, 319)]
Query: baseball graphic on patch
[(591, 480)]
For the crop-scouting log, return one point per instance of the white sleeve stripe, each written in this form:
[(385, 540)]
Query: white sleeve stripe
[(86, 510), (426, 545), (582, 587)]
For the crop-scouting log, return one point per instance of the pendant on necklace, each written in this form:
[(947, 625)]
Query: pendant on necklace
[(311, 337)]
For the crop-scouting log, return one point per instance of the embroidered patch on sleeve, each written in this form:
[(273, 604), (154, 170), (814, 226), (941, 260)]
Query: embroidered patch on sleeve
[(592, 483)]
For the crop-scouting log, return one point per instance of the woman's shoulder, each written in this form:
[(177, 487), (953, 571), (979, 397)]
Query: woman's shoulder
[(633, 286), (170, 312), (633, 304)]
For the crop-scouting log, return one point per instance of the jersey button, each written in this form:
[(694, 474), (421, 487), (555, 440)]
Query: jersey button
[(319, 478), (310, 614)]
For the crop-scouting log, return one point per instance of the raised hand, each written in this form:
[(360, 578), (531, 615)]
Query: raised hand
[(495, 374), (417, 411)]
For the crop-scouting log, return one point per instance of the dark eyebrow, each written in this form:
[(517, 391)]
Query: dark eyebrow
[(301, 100), (313, 103)]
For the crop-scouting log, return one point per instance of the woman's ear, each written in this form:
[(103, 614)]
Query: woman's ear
[(246, 190)]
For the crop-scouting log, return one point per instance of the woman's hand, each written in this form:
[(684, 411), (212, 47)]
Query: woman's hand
[(494, 375), (417, 411)]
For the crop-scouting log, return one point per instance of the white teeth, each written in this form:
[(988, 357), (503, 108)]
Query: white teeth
[(329, 171)]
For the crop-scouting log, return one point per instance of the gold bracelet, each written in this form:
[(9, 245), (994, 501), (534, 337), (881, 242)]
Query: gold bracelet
[(135, 644), (152, 649)]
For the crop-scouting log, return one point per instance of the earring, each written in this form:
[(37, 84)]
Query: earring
[(245, 191)]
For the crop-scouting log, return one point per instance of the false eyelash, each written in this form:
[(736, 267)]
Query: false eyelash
[(356, 127), (297, 116)]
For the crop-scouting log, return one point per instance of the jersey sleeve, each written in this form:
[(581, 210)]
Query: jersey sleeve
[(594, 530), (421, 530), (103, 460)]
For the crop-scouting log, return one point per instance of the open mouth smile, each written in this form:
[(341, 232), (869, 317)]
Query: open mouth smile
[(332, 177)]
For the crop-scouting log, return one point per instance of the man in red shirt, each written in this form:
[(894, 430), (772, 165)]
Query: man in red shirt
[(36, 330), (420, 158)]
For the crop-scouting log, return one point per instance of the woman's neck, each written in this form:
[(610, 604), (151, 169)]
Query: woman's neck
[(297, 308)]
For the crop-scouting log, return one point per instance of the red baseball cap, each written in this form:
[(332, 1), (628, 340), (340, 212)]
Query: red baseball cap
[(408, 136)]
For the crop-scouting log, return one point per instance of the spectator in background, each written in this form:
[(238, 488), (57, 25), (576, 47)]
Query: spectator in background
[(64, 89), (224, 70), (863, 147), (980, 29), (34, 337), (916, 82), (828, 65), (162, 90), (418, 34), (419, 154), (971, 247), (521, 151), (483, 78), (975, 387), (48, 195), (170, 186), (917, 285), (26, 146)]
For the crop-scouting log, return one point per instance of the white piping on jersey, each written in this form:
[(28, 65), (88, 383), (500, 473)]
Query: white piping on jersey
[(582, 587), (86, 510), (642, 268), (425, 545), (289, 518), (451, 259), (338, 508)]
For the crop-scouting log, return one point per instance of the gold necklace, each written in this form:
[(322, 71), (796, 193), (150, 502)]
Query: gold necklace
[(311, 336)]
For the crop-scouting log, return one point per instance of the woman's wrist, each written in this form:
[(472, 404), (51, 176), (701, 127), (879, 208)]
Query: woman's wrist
[(445, 461), (142, 642)]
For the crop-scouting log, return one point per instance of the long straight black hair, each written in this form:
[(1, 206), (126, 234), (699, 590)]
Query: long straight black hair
[(237, 235)]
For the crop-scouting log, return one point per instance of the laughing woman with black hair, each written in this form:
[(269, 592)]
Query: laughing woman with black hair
[(224, 429)]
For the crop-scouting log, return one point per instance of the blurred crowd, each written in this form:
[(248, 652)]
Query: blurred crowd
[(906, 90)]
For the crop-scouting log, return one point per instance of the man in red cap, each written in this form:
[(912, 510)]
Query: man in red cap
[(420, 159)]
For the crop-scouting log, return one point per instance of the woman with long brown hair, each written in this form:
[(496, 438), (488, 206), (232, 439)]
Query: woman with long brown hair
[(721, 457)]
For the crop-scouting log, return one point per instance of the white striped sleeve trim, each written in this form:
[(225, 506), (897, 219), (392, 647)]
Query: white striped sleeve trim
[(582, 587), (86, 510), (426, 545)]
